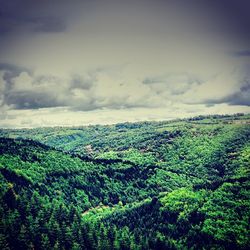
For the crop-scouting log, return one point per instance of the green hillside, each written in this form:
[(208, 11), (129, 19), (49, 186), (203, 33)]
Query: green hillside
[(180, 184)]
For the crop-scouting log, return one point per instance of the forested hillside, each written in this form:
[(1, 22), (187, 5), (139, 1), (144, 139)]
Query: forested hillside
[(180, 184)]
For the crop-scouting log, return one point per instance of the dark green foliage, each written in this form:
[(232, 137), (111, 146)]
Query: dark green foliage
[(149, 185)]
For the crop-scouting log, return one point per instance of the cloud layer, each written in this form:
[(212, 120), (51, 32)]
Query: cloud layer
[(108, 88), (109, 61)]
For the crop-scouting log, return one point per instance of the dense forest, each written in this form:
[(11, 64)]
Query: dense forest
[(181, 184)]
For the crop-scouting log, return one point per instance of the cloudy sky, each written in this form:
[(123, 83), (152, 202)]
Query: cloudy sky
[(107, 61)]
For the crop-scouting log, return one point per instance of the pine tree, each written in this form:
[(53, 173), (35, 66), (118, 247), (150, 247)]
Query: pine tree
[(103, 241), (56, 246), (45, 243), (68, 238), (91, 243), (76, 246), (10, 197), (75, 229), (23, 237), (3, 242), (133, 245), (116, 244)]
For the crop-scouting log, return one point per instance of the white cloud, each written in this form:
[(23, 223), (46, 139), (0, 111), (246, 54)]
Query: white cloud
[(23, 82), (222, 87), (112, 90)]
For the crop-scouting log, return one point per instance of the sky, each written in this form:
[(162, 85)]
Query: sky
[(70, 63)]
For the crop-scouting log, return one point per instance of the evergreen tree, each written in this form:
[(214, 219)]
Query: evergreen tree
[(4, 242), (45, 243), (23, 238)]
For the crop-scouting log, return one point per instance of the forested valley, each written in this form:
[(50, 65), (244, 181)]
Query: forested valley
[(180, 184)]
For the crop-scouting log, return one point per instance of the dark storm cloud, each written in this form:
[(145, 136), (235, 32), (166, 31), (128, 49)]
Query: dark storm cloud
[(240, 97), (242, 53), (36, 16), (237, 15), (31, 100), (81, 82), (52, 15), (13, 69), (233, 15)]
